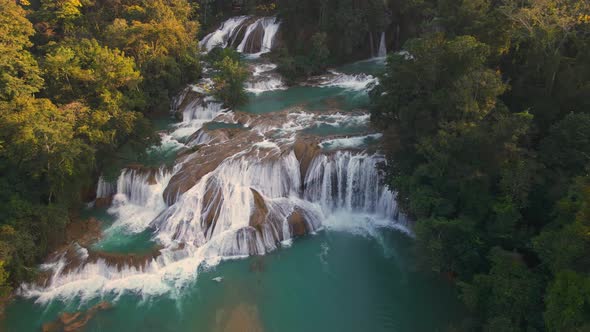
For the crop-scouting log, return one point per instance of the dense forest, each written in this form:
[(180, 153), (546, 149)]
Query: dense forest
[(78, 82), (488, 132), (485, 116)]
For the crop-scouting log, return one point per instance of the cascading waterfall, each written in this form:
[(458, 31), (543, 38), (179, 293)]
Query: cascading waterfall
[(197, 111), (382, 47), (349, 182), (139, 197), (271, 27), (264, 79), (105, 189), (248, 190), (222, 36), (258, 37), (356, 82)]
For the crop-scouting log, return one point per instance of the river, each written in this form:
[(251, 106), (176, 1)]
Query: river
[(271, 217)]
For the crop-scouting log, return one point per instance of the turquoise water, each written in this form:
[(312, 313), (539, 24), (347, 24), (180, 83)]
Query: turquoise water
[(330, 130), (312, 98), (332, 281), (117, 241), (372, 67)]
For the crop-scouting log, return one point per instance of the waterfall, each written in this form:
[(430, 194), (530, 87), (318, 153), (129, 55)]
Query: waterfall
[(349, 182), (265, 85), (257, 39), (267, 28), (264, 79), (382, 47), (355, 82), (104, 188), (271, 27), (233, 192), (222, 36), (196, 110), (139, 197)]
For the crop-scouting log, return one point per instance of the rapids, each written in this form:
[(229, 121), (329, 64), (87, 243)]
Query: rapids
[(285, 192)]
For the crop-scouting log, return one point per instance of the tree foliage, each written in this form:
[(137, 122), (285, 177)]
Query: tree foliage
[(487, 143), (77, 79)]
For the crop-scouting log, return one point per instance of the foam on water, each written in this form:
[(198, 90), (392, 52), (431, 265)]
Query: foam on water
[(353, 82), (139, 198), (195, 115), (349, 142), (261, 86)]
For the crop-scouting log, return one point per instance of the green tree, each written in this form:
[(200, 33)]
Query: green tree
[(568, 300), (19, 72), (229, 80), (508, 297)]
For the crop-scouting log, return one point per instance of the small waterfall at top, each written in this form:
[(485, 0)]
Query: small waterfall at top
[(258, 37), (222, 36), (382, 47)]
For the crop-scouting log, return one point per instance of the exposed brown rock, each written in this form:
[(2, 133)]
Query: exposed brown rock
[(306, 151), (207, 159), (138, 261), (258, 217), (84, 232), (297, 224), (211, 202), (188, 98), (73, 322), (254, 42), (103, 202)]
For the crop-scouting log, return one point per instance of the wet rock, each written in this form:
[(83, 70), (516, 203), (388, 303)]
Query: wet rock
[(258, 217), (212, 201), (297, 224), (149, 172), (188, 98), (241, 32), (103, 202), (73, 322), (84, 232), (206, 160), (254, 42), (306, 151), (138, 261)]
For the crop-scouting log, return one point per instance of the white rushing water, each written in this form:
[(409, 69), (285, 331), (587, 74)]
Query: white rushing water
[(269, 26), (264, 28), (222, 36), (139, 198), (264, 79), (195, 113), (257, 198), (382, 47), (105, 189), (353, 82), (348, 142)]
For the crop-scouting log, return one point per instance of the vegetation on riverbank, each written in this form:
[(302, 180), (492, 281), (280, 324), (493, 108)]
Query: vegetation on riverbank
[(486, 117), (78, 80)]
